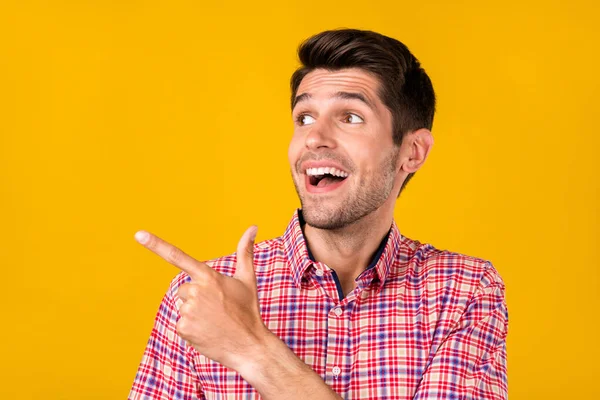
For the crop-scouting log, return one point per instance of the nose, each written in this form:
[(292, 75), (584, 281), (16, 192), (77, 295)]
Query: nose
[(320, 136)]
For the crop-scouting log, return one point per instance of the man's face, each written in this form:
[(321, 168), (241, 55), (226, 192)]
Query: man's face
[(342, 155)]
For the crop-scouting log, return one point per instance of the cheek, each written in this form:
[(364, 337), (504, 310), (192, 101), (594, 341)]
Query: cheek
[(373, 162), (364, 154)]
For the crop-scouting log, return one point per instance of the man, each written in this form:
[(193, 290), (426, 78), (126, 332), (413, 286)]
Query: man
[(342, 305)]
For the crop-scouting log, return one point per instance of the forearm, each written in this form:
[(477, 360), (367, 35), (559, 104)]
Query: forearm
[(277, 373)]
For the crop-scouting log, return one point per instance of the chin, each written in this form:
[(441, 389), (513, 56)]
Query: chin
[(319, 218), (325, 224)]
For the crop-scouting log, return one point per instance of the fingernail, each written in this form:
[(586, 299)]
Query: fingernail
[(178, 303), (253, 235), (142, 237)]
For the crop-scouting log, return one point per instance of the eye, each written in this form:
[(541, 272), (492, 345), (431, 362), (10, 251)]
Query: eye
[(352, 119), (305, 119)]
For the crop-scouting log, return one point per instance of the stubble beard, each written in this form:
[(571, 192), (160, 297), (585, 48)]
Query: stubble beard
[(367, 196)]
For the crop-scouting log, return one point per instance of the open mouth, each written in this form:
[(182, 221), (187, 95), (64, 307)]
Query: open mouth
[(323, 178)]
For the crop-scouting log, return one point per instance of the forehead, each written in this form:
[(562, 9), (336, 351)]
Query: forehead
[(322, 81)]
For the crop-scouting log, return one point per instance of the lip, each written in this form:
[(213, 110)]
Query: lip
[(319, 190)]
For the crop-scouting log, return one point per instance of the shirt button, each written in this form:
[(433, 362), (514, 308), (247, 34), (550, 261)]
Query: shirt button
[(338, 311), (364, 294), (319, 272), (336, 371)]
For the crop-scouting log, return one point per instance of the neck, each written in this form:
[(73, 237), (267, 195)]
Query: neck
[(349, 250)]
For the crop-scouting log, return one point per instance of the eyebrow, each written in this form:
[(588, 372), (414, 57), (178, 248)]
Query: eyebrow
[(338, 95), (301, 98)]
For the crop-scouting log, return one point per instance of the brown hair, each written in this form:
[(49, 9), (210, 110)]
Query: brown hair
[(405, 88)]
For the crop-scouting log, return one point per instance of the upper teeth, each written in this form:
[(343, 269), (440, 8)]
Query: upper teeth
[(327, 170)]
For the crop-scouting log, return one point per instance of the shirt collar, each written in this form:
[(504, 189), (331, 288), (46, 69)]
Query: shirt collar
[(300, 258)]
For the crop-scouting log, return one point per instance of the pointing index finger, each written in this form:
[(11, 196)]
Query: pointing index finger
[(171, 254)]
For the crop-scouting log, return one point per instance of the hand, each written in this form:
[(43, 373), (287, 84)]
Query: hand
[(220, 315)]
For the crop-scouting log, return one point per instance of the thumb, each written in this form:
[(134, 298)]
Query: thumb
[(244, 268)]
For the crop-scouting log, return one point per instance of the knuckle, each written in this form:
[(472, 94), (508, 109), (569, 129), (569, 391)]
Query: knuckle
[(189, 309), (174, 255), (210, 280), (194, 291), (183, 291), (188, 291), (178, 304), (182, 327), (184, 310)]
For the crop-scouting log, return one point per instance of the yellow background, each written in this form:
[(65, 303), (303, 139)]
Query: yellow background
[(172, 116)]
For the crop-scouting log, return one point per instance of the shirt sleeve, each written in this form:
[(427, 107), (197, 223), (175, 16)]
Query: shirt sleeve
[(166, 372), (471, 362)]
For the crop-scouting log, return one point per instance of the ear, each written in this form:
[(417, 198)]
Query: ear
[(414, 150)]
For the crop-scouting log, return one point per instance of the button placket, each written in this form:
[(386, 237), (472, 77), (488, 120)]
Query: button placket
[(338, 346)]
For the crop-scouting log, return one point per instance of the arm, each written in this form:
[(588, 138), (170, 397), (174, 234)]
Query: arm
[(219, 316), (471, 362), (164, 372), (278, 374)]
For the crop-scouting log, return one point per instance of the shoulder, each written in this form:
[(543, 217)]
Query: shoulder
[(449, 286), (425, 265)]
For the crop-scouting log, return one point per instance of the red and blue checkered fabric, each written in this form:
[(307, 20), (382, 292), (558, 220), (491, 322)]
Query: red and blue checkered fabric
[(422, 324)]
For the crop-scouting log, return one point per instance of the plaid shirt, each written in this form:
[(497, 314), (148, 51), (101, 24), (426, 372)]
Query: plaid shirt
[(421, 323)]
